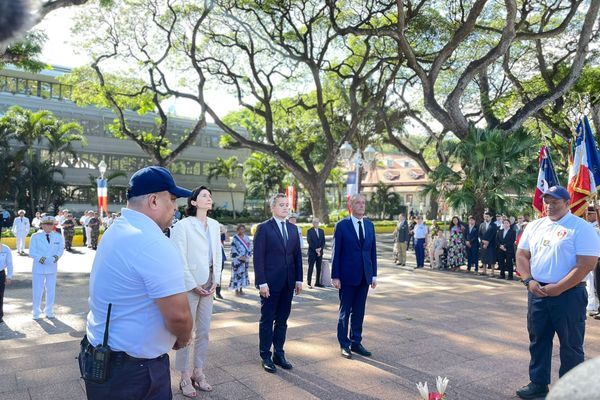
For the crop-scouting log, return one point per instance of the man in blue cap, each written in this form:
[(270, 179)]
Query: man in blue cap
[(139, 271), (554, 256)]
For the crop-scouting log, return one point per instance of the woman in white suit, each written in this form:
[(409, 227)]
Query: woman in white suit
[(199, 241)]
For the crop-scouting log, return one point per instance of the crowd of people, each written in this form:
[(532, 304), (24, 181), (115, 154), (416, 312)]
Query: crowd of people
[(492, 243)]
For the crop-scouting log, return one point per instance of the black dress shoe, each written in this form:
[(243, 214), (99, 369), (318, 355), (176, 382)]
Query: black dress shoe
[(268, 365), (532, 391), (282, 362), (346, 353), (360, 349)]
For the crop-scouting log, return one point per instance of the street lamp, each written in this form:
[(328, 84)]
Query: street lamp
[(369, 154), (102, 168)]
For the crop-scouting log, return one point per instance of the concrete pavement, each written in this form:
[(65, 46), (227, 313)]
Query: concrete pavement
[(419, 324)]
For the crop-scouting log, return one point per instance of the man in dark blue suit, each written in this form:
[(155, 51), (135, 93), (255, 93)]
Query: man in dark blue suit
[(316, 243), (354, 269), (278, 274), (472, 243)]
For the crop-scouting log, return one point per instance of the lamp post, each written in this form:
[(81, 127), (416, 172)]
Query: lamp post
[(369, 154)]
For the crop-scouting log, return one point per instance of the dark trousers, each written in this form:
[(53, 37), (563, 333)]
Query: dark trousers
[(505, 262), (274, 312), (312, 260), (2, 286), (353, 300), (420, 252), (411, 239), (563, 315), (473, 257), (148, 380)]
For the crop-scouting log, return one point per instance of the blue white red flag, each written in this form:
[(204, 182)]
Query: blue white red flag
[(102, 195), (546, 178), (584, 168)]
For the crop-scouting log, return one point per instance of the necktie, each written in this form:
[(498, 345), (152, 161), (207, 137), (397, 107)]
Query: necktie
[(284, 232), (48, 237), (361, 235)]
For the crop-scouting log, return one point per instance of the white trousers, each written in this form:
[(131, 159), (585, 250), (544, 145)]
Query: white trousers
[(201, 308), (21, 243), (592, 304), (88, 236), (41, 282)]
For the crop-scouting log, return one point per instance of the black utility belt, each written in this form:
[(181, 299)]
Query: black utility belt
[(580, 284), (118, 355)]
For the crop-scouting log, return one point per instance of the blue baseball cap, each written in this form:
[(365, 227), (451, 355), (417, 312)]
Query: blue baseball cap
[(153, 180), (558, 192)]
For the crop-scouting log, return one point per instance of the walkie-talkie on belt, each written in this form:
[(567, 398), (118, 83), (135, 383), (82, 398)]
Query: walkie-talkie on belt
[(101, 356)]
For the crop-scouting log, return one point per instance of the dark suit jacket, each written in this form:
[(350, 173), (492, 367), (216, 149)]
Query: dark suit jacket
[(314, 242), (472, 236), (489, 234), (350, 261), (276, 264), (403, 232), (508, 241)]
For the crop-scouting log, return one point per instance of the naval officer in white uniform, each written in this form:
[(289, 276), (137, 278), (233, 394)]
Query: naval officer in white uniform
[(20, 229), (46, 247)]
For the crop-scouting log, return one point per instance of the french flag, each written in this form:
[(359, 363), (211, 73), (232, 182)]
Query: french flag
[(584, 168), (102, 195), (546, 179)]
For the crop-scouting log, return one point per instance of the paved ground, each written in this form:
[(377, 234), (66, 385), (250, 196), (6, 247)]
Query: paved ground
[(419, 324)]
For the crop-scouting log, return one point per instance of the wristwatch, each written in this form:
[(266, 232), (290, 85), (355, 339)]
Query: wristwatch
[(526, 281)]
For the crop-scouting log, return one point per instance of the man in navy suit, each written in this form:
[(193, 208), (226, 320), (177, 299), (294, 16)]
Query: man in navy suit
[(278, 274), (354, 269), (316, 243), (472, 243)]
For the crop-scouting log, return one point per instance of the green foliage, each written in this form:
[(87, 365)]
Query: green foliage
[(24, 53), (489, 169), (37, 187), (385, 202), (230, 170), (263, 176)]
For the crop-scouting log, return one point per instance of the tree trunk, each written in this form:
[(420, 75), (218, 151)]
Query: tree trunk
[(433, 208), (318, 201), (232, 204), (478, 210)]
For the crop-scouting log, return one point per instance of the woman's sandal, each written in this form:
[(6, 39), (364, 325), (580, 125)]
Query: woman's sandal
[(199, 381), (187, 388)]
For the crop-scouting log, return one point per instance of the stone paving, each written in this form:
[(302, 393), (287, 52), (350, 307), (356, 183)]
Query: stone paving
[(419, 324)]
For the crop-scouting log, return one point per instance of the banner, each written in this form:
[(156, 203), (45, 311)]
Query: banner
[(290, 193), (584, 168), (351, 184), (102, 187), (546, 178)]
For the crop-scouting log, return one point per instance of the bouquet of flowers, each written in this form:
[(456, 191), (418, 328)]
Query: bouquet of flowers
[(441, 384)]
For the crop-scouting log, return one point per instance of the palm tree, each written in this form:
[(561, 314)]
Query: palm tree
[(495, 169), (228, 169), (61, 136), (384, 199), (263, 175)]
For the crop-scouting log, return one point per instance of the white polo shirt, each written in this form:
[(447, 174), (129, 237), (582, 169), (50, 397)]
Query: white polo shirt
[(555, 245), (6, 260), (134, 265)]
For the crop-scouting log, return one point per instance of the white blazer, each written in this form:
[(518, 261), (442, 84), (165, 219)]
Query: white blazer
[(193, 244), (39, 247)]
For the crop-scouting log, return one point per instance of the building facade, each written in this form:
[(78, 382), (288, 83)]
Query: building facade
[(42, 91)]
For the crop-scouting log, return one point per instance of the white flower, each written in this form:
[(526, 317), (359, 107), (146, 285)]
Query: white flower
[(423, 390), (441, 384)]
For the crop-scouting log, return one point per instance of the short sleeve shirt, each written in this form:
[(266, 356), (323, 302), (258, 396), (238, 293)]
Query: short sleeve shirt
[(135, 265), (555, 245)]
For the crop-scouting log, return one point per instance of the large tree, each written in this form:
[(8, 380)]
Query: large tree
[(261, 53)]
